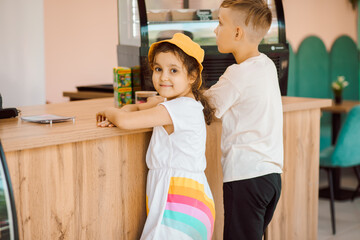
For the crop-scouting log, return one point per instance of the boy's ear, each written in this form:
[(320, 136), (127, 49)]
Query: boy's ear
[(239, 33)]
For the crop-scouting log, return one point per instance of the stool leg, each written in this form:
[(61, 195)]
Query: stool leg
[(330, 177), (357, 173)]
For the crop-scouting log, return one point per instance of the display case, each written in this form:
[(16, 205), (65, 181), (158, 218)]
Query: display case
[(153, 20)]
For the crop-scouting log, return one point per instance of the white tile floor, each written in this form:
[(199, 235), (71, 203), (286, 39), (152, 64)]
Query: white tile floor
[(347, 213)]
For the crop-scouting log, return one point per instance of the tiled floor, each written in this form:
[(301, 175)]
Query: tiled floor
[(347, 212)]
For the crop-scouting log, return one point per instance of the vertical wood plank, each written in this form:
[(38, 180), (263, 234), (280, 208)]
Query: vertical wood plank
[(214, 175), (85, 190), (296, 214)]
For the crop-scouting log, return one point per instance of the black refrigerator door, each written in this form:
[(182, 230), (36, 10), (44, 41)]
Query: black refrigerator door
[(8, 220)]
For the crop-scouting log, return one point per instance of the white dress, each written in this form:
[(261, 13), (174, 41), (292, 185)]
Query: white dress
[(178, 198)]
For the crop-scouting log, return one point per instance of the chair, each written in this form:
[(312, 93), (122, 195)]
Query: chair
[(345, 153), (8, 218)]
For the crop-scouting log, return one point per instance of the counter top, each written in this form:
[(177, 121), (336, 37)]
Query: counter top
[(343, 107), (299, 103), (17, 135)]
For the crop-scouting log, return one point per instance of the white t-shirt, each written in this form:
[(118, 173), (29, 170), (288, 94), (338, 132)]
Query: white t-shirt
[(247, 99), (176, 180), (184, 148)]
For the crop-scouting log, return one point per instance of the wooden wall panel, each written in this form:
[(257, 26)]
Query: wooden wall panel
[(297, 211), (84, 190), (95, 188), (214, 175)]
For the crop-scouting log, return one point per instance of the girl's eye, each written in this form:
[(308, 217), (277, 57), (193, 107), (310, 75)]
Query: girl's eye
[(157, 69), (173, 71)]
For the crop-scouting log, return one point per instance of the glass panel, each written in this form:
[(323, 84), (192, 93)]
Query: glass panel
[(201, 32), (164, 4), (168, 17), (129, 23), (273, 34)]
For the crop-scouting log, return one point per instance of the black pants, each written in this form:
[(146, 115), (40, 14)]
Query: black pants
[(249, 206)]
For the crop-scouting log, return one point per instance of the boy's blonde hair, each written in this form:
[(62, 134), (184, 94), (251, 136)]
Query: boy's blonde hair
[(254, 16)]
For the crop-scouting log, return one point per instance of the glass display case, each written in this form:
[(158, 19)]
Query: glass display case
[(8, 220), (160, 19)]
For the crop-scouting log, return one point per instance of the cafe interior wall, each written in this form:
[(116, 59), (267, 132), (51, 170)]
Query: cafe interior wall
[(319, 57), (22, 78), (80, 38), (88, 64), (80, 44)]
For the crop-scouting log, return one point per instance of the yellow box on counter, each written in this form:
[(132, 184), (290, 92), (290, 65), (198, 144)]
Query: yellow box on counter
[(122, 77), (122, 86), (135, 78), (122, 96)]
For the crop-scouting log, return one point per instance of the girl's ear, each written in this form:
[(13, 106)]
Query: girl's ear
[(192, 78)]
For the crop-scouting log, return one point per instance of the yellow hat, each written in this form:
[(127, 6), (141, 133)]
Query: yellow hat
[(185, 43)]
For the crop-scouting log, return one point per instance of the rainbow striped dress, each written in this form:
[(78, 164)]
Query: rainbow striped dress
[(178, 198)]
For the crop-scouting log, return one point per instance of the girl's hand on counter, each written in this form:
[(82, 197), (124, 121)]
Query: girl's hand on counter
[(105, 123), (101, 118)]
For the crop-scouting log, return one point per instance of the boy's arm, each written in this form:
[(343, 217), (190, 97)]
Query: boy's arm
[(222, 96), (156, 116)]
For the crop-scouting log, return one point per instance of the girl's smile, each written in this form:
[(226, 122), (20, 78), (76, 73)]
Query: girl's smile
[(165, 85)]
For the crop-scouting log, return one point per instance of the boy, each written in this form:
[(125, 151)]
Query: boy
[(248, 101)]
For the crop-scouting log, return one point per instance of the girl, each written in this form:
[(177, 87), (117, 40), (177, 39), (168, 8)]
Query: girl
[(179, 202)]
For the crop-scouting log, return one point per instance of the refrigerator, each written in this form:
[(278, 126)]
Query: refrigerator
[(143, 22)]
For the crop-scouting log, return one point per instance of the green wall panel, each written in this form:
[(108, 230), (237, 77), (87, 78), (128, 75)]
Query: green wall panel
[(344, 62), (291, 91), (312, 69)]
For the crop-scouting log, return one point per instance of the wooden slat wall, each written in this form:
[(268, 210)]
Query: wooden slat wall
[(85, 190), (296, 216), (95, 188)]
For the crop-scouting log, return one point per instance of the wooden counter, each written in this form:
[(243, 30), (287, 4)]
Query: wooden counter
[(77, 181)]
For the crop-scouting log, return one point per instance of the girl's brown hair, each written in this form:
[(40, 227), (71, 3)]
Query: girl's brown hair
[(192, 67)]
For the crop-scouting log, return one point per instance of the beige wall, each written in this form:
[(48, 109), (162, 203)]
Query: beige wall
[(22, 78), (81, 37), (326, 19), (80, 44)]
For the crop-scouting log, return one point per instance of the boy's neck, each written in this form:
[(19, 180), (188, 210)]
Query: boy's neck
[(241, 54)]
